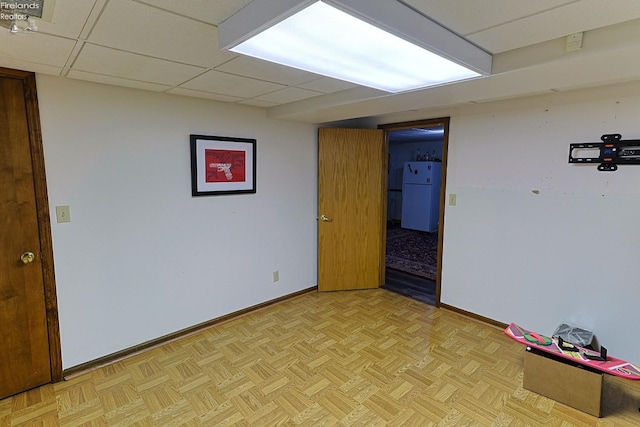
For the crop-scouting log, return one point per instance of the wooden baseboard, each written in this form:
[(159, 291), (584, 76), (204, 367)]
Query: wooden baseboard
[(128, 352), (473, 316)]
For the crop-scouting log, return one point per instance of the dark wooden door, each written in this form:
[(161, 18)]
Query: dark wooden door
[(351, 208), (25, 353)]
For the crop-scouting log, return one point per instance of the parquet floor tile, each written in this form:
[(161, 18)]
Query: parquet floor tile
[(362, 358)]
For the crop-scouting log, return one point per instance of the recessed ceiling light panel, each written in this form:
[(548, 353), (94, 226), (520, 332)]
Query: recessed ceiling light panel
[(334, 39)]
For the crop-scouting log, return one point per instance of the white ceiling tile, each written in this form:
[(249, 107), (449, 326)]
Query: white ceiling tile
[(573, 18), (211, 11), (170, 45), (205, 95), (111, 62), (265, 70), (18, 64), (134, 27), (289, 94), (255, 103), (229, 84), (116, 81), (327, 85), (466, 16), (68, 19), (37, 47)]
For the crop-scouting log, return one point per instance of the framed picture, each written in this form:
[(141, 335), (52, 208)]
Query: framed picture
[(222, 165)]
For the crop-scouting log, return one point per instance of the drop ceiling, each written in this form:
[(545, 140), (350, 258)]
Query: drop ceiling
[(172, 46)]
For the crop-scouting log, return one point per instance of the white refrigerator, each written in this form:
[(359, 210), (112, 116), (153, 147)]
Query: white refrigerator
[(421, 195)]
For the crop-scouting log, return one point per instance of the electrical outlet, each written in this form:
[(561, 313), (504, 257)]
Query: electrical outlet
[(276, 276), (452, 199)]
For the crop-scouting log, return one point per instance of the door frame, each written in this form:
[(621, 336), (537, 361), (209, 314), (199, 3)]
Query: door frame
[(442, 121), (44, 222)]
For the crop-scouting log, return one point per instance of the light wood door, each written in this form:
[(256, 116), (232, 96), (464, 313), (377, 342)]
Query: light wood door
[(24, 341), (351, 205)]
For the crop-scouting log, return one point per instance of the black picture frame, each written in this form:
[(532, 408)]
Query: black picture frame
[(222, 165)]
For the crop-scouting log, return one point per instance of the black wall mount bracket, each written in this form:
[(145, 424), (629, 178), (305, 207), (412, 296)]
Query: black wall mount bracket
[(609, 153)]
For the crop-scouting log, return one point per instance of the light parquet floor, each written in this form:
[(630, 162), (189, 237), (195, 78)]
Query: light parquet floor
[(365, 358)]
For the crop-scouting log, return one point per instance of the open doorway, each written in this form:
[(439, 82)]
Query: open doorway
[(416, 172)]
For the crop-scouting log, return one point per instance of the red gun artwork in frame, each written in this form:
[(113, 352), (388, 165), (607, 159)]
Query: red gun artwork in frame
[(222, 165), (225, 165)]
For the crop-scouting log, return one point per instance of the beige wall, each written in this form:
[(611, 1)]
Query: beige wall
[(534, 239), (141, 258)]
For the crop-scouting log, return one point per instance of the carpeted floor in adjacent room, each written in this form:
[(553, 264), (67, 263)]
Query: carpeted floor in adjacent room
[(412, 264), (414, 252)]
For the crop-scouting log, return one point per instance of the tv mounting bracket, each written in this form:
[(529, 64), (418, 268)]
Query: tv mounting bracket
[(610, 153)]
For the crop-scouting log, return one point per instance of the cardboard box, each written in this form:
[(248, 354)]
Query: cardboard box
[(563, 382)]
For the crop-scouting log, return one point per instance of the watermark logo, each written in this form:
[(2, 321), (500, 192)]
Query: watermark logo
[(20, 10)]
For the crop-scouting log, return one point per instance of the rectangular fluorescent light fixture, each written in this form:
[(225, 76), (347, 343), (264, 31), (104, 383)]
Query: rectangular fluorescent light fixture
[(381, 44)]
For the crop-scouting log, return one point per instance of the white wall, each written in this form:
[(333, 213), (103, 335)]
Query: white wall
[(141, 258), (534, 239)]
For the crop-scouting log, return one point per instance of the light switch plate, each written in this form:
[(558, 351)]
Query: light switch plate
[(63, 214)]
